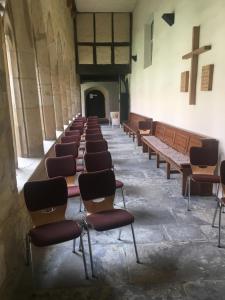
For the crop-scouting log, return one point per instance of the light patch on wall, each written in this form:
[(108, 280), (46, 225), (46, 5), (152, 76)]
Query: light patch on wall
[(148, 41)]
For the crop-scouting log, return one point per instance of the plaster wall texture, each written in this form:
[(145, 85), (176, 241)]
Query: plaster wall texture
[(110, 91), (155, 91)]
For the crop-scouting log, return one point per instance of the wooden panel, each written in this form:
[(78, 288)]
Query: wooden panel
[(103, 55), (85, 55), (85, 28), (169, 135), (122, 55), (181, 142), (159, 131), (121, 27), (103, 25), (184, 82), (195, 141), (207, 78)]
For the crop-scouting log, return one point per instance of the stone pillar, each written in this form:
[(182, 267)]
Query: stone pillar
[(45, 86), (8, 188), (68, 90), (27, 78), (63, 89)]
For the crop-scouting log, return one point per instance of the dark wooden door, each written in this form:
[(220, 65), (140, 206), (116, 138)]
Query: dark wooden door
[(95, 104)]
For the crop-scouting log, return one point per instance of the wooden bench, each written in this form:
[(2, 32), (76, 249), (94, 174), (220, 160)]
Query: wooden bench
[(137, 126), (171, 145)]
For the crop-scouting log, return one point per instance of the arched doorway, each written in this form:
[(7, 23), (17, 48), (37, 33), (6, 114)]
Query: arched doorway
[(95, 104)]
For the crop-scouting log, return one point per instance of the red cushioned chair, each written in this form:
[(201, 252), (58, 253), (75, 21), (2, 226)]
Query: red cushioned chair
[(93, 131), (64, 166), (70, 139), (93, 137), (96, 146), (220, 202), (101, 215), (102, 161), (73, 132), (69, 149), (46, 201), (203, 166)]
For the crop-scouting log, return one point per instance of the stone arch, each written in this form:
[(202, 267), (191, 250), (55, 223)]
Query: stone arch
[(51, 43), (62, 79), (26, 79), (14, 88), (43, 72)]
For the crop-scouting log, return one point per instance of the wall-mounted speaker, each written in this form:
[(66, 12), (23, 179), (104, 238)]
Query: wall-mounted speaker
[(169, 18)]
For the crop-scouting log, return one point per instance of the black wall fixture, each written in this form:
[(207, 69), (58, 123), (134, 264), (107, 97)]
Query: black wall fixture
[(169, 18)]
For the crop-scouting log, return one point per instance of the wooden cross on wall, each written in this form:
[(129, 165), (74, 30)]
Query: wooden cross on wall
[(196, 51)]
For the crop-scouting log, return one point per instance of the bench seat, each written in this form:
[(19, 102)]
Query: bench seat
[(171, 145)]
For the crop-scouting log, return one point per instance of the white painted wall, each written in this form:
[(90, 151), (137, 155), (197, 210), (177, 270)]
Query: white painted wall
[(155, 91), (109, 89)]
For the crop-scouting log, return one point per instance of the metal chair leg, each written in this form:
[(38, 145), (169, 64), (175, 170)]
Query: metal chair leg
[(215, 213), (90, 251), (120, 231), (124, 203), (74, 245), (189, 193), (135, 246), (186, 188), (80, 204), (220, 225), (84, 258)]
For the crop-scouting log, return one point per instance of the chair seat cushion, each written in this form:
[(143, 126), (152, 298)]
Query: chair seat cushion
[(54, 233), (79, 168), (73, 191), (206, 178), (119, 184), (110, 219)]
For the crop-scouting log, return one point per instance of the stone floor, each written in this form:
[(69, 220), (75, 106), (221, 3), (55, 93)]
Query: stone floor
[(178, 249)]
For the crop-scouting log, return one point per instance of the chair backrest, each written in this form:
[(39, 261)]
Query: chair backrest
[(98, 161), (93, 126), (97, 185), (96, 146), (75, 130), (60, 166), (96, 130), (203, 161), (46, 200), (72, 132), (222, 175), (93, 137), (67, 149), (70, 139)]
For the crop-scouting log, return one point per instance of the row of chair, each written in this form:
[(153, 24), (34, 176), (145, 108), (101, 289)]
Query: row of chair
[(46, 200)]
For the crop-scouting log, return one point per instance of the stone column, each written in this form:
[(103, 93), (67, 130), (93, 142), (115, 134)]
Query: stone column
[(27, 77), (45, 87)]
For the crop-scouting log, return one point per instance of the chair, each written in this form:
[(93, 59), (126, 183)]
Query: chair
[(73, 132), (102, 161), (96, 146), (69, 149), (46, 201), (115, 118), (101, 215), (220, 202), (93, 131), (203, 165), (71, 139), (64, 166), (93, 137)]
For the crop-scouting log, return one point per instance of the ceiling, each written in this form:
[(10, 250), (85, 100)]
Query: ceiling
[(105, 5)]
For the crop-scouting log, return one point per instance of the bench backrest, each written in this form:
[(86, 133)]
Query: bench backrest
[(139, 122), (180, 139)]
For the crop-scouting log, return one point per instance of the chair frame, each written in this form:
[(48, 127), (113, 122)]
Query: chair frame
[(44, 215), (106, 204), (202, 167)]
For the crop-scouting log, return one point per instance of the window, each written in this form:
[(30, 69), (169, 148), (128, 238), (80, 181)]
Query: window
[(148, 42)]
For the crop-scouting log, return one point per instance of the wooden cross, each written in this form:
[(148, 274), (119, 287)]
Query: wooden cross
[(196, 51)]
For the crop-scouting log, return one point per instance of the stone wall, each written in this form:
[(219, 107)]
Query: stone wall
[(38, 94)]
